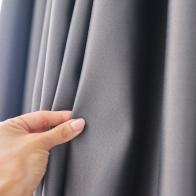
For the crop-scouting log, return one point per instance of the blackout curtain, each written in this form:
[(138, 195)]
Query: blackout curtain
[(129, 68)]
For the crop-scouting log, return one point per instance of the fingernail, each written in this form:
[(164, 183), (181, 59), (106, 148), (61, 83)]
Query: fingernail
[(78, 124)]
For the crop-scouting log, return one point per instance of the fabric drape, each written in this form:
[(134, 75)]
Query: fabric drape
[(128, 68)]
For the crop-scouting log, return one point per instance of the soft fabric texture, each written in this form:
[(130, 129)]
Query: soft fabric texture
[(128, 68)]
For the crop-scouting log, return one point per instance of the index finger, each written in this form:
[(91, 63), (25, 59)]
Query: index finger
[(32, 122)]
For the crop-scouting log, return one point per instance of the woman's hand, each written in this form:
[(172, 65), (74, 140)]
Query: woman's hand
[(24, 148)]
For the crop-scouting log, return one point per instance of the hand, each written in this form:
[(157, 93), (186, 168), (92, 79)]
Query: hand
[(24, 148)]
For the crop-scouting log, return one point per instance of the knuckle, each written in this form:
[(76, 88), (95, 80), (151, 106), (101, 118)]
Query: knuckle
[(45, 122), (11, 122), (17, 122), (44, 119)]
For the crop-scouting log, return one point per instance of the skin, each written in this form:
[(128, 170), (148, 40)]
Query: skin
[(25, 145)]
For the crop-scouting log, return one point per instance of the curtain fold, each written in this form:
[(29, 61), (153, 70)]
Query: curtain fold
[(15, 28), (127, 67)]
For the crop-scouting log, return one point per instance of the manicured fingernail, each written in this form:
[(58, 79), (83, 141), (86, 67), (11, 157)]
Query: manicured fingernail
[(78, 124)]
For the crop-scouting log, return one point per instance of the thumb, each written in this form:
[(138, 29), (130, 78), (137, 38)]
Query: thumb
[(60, 134)]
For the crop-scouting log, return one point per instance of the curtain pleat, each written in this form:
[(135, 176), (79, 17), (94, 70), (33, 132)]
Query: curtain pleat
[(66, 90), (61, 13), (74, 54), (179, 119), (15, 28), (37, 91), (34, 48)]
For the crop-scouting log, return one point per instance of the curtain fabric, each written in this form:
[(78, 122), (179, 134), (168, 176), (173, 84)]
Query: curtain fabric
[(128, 67)]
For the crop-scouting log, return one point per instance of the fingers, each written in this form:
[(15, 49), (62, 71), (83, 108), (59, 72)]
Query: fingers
[(42, 119), (60, 134)]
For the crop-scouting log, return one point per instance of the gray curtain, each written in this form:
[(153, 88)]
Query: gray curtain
[(129, 68)]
